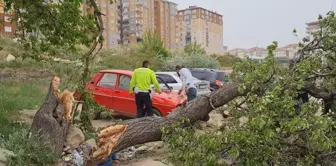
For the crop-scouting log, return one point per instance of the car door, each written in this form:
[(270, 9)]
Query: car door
[(103, 92), (124, 102)]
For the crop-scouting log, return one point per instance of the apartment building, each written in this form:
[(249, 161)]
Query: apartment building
[(196, 24), (313, 27), (165, 22), (125, 21), (110, 20), (136, 17), (7, 27)]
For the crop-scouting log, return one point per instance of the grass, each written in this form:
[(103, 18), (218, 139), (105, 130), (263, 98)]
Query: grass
[(16, 96), (28, 150)]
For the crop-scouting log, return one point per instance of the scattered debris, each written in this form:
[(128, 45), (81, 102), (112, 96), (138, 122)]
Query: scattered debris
[(75, 157)]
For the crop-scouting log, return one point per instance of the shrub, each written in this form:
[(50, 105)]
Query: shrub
[(193, 61), (28, 150), (227, 60), (194, 49), (153, 45)]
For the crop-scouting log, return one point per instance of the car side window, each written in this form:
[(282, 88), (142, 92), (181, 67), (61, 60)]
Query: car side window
[(124, 82), (108, 80), (167, 78)]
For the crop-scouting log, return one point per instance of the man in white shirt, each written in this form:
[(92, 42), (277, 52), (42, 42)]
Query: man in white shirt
[(187, 82), (188, 85)]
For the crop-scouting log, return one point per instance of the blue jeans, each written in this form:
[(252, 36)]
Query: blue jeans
[(109, 161), (192, 93)]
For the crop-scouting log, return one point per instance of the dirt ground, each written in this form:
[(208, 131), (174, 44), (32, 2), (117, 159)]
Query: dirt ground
[(153, 154), (24, 75)]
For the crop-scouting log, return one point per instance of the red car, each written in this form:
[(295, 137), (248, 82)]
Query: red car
[(110, 88)]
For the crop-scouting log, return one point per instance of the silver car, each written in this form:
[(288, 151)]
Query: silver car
[(175, 83)]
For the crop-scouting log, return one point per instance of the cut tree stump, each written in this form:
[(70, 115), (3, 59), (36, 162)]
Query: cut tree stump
[(48, 123), (148, 129)]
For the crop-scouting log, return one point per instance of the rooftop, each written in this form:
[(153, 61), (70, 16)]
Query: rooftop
[(197, 7), (313, 23)]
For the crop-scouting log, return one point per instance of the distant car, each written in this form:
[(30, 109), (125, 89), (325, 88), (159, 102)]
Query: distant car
[(175, 83), (216, 77), (110, 88)]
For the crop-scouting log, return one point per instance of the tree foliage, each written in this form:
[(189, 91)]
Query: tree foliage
[(280, 128), (193, 48), (153, 45), (192, 61), (44, 27), (227, 60)]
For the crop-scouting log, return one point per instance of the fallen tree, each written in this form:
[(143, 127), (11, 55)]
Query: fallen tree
[(148, 129)]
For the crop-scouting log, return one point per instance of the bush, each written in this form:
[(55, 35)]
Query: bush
[(126, 59), (193, 61), (28, 150), (9, 46), (194, 49), (227, 60)]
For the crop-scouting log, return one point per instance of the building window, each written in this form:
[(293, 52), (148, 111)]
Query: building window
[(194, 16), (8, 29), (6, 19), (193, 11)]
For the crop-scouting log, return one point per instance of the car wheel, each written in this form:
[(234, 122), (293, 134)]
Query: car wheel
[(156, 112), (97, 115)]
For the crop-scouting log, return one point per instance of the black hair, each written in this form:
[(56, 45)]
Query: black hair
[(178, 67), (145, 63)]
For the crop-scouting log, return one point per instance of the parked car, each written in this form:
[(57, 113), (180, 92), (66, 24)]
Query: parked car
[(175, 83), (216, 77), (110, 88)]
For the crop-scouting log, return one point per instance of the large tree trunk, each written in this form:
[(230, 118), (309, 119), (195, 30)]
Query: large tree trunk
[(48, 123), (147, 129)]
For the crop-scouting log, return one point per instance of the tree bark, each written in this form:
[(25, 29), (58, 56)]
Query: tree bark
[(48, 123), (148, 129)]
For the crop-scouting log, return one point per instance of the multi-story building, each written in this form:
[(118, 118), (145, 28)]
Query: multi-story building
[(136, 17), (7, 27), (196, 24), (125, 21), (110, 16), (312, 27), (165, 22)]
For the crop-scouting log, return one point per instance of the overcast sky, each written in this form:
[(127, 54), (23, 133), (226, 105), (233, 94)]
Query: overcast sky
[(250, 23)]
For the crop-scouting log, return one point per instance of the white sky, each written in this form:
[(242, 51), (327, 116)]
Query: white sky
[(250, 23)]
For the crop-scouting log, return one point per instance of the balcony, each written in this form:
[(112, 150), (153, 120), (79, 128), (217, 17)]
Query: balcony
[(138, 10), (139, 23), (125, 21), (139, 16)]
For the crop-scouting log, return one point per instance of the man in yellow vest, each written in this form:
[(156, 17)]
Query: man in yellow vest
[(141, 85)]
